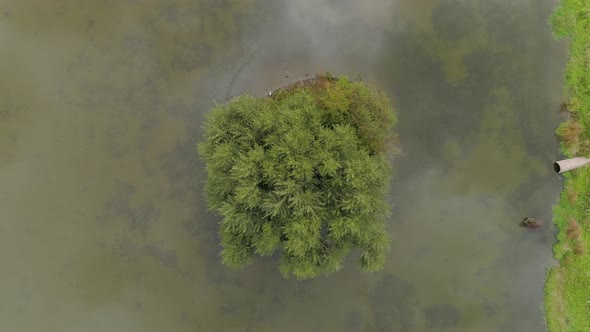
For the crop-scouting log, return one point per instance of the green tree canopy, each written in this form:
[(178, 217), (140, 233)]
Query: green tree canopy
[(303, 173)]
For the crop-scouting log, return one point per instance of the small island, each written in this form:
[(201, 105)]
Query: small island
[(302, 174)]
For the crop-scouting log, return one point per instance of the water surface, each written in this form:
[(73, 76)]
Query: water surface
[(103, 225)]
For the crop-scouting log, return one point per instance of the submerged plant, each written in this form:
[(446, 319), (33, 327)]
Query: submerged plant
[(303, 173)]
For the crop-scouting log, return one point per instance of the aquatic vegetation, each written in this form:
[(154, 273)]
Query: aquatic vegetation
[(302, 173), (567, 290)]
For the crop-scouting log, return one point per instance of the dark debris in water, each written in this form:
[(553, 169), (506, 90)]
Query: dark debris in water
[(531, 223)]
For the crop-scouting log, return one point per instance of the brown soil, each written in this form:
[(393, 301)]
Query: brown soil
[(531, 223), (315, 84)]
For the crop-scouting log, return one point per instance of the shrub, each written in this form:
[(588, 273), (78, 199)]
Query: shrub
[(303, 174)]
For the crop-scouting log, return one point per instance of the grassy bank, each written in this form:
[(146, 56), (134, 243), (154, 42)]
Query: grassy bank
[(567, 290)]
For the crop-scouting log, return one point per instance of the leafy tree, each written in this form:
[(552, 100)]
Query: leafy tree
[(303, 173)]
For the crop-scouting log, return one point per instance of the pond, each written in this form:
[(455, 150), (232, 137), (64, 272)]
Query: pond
[(103, 221)]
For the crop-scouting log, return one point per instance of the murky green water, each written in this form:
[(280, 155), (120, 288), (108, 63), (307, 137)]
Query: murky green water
[(102, 221)]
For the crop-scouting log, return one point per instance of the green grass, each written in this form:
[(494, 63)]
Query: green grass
[(567, 289)]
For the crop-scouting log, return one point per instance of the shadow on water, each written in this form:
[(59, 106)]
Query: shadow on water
[(104, 221)]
